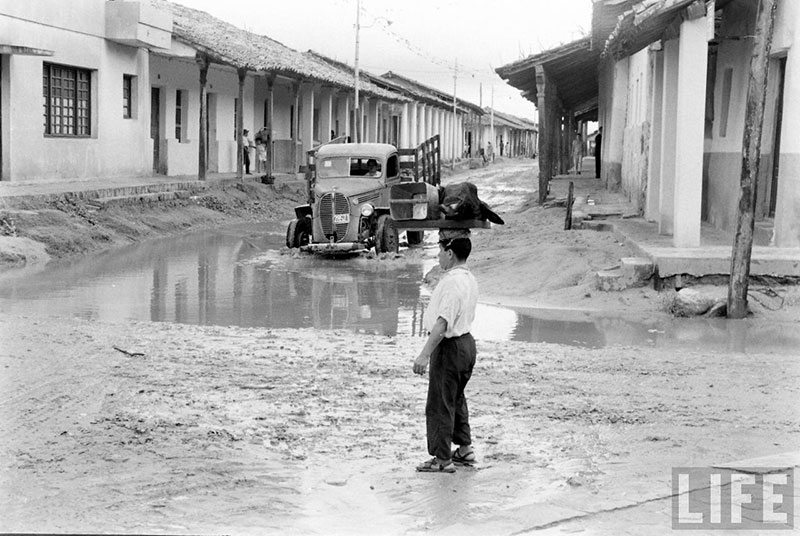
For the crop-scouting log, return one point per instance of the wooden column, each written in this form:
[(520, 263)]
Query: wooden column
[(202, 63), (751, 159), (295, 124), (544, 137), (240, 142), (270, 112)]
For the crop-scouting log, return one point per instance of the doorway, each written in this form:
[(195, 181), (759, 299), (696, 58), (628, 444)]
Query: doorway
[(772, 193), (155, 125)]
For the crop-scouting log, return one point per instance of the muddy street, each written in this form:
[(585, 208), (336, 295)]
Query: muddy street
[(160, 423), (247, 431)]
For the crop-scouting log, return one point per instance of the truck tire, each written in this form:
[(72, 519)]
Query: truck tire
[(415, 238), (303, 232), (298, 233), (386, 238), (291, 235)]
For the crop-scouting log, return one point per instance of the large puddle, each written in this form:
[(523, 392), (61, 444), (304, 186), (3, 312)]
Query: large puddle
[(242, 276)]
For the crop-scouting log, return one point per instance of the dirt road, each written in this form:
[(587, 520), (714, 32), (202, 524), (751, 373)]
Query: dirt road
[(225, 430), (211, 430)]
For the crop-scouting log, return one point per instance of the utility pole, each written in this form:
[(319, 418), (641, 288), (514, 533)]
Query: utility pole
[(455, 117), (491, 125), (356, 110), (751, 159), (480, 119)]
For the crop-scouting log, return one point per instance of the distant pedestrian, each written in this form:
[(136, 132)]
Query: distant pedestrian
[(577, 153), (598, 151), (489, 152), (450, 349), (247, 143)]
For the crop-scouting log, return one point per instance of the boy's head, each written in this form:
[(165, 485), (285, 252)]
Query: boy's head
[(460, 247)]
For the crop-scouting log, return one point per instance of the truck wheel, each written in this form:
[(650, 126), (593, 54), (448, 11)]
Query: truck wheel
[(303, 232), (291, 235), (298, 233), (386, 235), (415, 238)]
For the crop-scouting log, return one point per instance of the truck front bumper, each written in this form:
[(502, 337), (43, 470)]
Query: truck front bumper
[(335, 247)]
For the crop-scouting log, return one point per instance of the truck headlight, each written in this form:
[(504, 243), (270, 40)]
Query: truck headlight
[(367, 210)]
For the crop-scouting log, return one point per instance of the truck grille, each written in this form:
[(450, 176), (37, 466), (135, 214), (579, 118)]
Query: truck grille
[(329, 205)]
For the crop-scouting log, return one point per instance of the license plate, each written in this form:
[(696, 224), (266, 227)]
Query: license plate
[(341, 218)]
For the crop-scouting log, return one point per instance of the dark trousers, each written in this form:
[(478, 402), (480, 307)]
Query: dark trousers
[(246, 158), (446, 413), (597, 165)]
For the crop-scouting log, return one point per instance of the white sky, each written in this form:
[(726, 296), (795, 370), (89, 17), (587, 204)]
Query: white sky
[(425, 39)]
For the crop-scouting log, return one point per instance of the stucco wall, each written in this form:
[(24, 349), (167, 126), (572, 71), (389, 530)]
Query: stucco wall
[(787, 214), (75, 32), (636, 136), (181, 157), (724, 150)]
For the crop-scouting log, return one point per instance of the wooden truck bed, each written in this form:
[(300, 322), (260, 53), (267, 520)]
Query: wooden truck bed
[(441, 224)]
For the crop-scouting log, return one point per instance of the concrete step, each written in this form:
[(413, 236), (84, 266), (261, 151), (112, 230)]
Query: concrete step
[(138, 198), (631, 272)]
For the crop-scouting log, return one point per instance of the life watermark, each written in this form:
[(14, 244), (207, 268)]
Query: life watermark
[(740, 499)]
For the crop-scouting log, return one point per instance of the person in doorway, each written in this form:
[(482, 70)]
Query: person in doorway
[(450, 350), (247, 143), (261, 156), (598, 151), (577, 153)]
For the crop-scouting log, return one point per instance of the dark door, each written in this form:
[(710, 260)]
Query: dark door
[(773, 191), (155, 125)]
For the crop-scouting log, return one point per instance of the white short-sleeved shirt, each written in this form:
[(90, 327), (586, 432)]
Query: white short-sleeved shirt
[(454, 299)]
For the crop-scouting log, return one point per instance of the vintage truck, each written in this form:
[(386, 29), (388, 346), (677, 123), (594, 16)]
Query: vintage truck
[(349, 184), (362, 195)]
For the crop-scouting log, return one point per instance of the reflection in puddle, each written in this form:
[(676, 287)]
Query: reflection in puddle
[(237, 276)]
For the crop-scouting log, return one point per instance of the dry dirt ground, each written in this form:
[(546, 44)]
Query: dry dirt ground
[(223, 430)]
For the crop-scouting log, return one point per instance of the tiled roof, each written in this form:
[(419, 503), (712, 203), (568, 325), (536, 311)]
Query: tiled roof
[(226, 44), (429, 92)]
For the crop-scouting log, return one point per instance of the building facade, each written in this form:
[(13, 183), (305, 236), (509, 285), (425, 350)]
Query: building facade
[(113, 88)]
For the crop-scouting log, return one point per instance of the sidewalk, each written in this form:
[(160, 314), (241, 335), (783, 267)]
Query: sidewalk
[(604, 210), (121, 186)]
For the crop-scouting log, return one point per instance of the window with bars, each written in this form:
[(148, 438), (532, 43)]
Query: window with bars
[(67, 101), (127, 93)]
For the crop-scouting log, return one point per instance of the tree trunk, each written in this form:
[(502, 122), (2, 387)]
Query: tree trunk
[(751, 157)]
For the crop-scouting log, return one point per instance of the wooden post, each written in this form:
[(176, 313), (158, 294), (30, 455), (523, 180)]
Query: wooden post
[(202, 63), (270, 111), (544, 138), (240, 141), (295, 126), (570, 199), (751, 157)]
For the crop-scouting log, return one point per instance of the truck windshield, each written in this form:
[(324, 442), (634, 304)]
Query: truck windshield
[(349, 166)]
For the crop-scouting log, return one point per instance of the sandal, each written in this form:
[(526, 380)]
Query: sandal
[(435, 466), (466, 459)]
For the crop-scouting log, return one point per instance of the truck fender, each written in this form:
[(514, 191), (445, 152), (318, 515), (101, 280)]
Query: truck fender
[(302, 211)]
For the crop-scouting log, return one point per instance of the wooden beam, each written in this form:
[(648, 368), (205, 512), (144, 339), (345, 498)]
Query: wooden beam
[(751, 159), (695, 11)]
